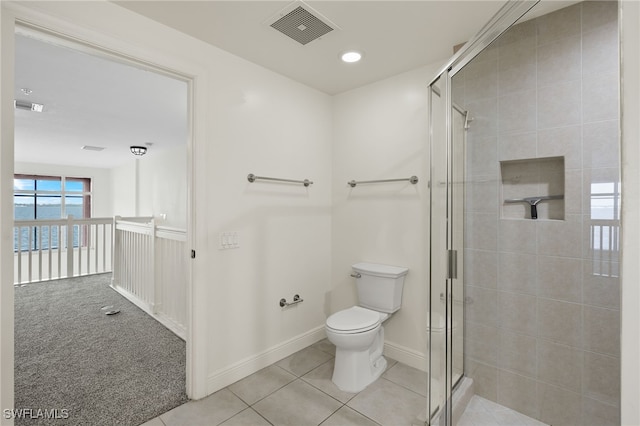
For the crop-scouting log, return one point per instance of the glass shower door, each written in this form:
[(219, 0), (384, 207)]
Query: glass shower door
[(446, 313), (438, 391)]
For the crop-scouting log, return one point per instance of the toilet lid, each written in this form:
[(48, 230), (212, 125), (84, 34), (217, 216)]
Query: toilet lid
[(354, 319)]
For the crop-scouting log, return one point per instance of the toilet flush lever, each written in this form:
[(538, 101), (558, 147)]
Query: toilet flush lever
[(356, 275)]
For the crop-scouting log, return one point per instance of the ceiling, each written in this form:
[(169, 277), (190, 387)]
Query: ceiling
[(395, 36), (91, 100)]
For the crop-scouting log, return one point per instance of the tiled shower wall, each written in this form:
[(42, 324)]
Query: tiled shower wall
[(542, 296)]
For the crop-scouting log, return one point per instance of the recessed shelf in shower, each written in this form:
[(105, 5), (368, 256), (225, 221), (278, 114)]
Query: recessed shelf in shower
[(533, 188)]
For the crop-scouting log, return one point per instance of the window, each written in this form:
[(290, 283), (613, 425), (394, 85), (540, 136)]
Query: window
[(51, 197)]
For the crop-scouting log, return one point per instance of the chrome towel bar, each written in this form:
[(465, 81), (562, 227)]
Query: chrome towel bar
[(296, 300), (412, 179), (252, 178)]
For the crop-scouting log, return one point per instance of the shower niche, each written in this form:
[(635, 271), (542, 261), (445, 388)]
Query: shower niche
[(533, 188)]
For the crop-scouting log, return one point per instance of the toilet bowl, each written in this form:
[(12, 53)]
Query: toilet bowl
[(359, 338), (357, 332)]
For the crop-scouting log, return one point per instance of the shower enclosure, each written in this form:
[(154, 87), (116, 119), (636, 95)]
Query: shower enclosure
[(525, 199)]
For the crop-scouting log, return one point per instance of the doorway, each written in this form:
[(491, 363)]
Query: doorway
[(8, 24)]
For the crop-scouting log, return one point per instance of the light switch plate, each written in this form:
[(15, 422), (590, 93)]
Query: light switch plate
[(229, 240)]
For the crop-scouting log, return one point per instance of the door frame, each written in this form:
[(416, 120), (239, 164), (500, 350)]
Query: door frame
[(14, 15)]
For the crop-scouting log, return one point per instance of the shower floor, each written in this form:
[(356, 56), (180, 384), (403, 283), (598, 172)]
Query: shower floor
[(482, 412)]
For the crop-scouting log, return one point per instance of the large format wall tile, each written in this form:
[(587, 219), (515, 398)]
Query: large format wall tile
[(482, 306), (601, 330), (515, 146), (559, 61), (517, 236), (600, 97), (517, 67), (559, 406), (601, 284), (518, 353), (560, 278), (516, 273), (600, 144), (560, 322), (602, 377), (562, 23), (561, 238), (517, 392), (551, 286), (560, 365), (485, 236), (517, 313), (481, 268), (559, 104), (517, 112), (561, 142), (599, 49), (481, 80)]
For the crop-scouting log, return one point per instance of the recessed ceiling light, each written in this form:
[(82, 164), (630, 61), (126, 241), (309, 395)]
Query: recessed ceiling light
[(351, 56)]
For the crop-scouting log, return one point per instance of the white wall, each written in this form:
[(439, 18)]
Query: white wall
[(380, 132), (152, 185), (100, 182), (162, 185), (269, 126), (124, 189)]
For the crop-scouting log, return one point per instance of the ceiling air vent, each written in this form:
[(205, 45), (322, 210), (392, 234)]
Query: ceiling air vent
[(92, 148), (301, 23)]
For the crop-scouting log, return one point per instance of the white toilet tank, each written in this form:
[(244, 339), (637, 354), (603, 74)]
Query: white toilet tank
[(380, 286)]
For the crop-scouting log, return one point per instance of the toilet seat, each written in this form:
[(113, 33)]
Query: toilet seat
[(353, 320)]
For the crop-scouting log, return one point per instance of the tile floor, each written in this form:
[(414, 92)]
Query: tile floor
[(298, 391)]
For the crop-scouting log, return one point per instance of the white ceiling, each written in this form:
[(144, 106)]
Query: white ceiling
[(90, 100), (395, 36)]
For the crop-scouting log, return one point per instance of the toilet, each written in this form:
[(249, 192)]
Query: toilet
[(357, 332)]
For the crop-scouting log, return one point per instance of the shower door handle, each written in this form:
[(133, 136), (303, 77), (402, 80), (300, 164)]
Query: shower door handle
[(452, 264)]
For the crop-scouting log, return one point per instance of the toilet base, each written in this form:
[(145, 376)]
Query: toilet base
[(354, 376), (355, 370)]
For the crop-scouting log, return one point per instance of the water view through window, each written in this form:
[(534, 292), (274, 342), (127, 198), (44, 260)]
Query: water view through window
[(48, 198)]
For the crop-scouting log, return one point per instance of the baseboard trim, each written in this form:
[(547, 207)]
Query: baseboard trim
[(241, 369), (407, 356), (148, 308), (133, 299)]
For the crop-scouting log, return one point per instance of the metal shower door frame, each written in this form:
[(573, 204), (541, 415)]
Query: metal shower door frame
[(444, 249)]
